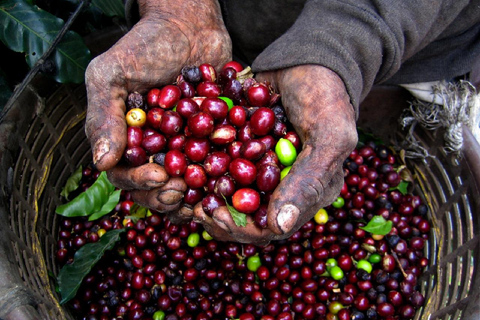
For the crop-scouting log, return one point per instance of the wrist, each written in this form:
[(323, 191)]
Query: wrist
[(189, 11)]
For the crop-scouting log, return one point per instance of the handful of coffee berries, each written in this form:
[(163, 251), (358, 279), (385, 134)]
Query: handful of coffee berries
[(224, 132)]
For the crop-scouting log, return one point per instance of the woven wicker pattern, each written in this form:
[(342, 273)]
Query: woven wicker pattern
[(49, 144), (449, 188), (51, 147)]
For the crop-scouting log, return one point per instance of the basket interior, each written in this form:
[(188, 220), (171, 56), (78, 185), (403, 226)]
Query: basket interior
[(450, 191), (53, 145)]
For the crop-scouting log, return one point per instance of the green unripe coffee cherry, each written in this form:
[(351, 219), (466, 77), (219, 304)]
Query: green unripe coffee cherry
[(206, 235), (334, 307), (228, 101), (330, 263), (286, 152), (365, 265), (284, 172), (375, 258), (159, 315), (338, 203), (193, 240), (336, 273), (253, 263)]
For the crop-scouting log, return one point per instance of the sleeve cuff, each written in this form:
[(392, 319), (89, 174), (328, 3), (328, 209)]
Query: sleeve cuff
[(131, 12)]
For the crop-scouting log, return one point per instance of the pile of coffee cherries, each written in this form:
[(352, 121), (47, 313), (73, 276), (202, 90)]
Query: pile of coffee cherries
[(225, 133), (331, 268)]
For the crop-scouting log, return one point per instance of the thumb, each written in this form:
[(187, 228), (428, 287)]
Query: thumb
[(308, 187), (105, 124)]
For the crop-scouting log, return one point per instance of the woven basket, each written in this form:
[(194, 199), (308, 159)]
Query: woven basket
[(42, 141), (449, 185)]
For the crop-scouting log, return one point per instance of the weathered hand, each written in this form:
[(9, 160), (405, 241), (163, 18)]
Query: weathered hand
[(169, 35), (319, 108)]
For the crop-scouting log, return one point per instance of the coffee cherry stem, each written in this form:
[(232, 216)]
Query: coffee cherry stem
[(245, 74), (369, 248), (398, 263)]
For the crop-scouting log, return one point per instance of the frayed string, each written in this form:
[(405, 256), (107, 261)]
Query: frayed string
[(447, 105)]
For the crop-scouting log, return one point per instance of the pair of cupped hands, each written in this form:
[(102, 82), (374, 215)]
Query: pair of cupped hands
[(171, 35)]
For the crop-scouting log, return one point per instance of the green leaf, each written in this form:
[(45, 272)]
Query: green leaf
[(364, 137), (90, 201), (72, 183), (107, 206), (378, 225), (402, 187), (110, 8), (71, 58), (52, 277), (138, 212), (239, 218), (71, 275), (31, 30)]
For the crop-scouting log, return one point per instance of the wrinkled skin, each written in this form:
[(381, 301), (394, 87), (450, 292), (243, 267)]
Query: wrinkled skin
[(152, 54), (169, 35), (319, 108)]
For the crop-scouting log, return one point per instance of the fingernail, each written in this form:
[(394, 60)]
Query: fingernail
[(101, 148), (155, 184), (170, 197), (287, 217), (199, 219)]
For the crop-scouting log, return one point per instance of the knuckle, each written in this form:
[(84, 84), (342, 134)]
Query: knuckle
[(93, 66), (90, 69), (312, 189)]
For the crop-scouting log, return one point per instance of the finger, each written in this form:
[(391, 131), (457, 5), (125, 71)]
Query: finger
[(164, 199), (318, 182), (184, 214), (210, 225), (324, 119), (144, 177), (105, 124), (247, 234)]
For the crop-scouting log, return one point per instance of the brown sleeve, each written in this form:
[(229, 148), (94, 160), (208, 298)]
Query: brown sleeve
[(367, 42), (131, 12)]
